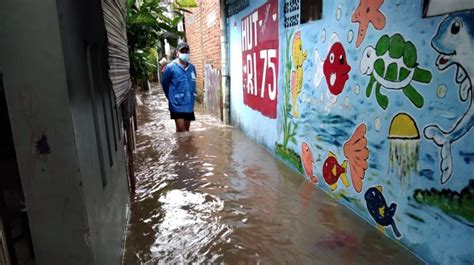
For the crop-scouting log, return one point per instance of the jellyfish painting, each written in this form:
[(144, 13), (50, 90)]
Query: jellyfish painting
[(404, 146)]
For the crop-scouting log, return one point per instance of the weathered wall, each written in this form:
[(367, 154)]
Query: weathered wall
[(64, 129), (97, 127), (203, 37), (38, 102), (212, 91), (374, 106)]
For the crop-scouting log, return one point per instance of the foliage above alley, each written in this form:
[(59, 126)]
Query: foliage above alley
[(149, 22), (187, 3)]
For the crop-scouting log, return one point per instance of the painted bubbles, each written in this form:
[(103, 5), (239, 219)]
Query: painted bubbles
[(410, 132)]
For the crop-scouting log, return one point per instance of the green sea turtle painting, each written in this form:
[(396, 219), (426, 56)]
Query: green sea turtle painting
[(393, 64)]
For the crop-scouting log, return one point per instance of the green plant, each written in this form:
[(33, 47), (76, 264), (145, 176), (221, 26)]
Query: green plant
[(289, 127), (148, 23), (455, 203), (290, 156)]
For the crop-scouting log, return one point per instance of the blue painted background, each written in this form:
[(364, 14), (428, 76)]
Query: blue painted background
[(257, 126), (436, 237)]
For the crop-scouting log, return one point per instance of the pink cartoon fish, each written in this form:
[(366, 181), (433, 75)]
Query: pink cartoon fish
[(308, 161)]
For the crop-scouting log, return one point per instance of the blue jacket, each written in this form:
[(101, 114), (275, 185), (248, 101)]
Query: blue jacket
[(179, 85)]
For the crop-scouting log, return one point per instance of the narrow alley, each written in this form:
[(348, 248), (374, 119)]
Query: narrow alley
[(323, 132), (213, 195)]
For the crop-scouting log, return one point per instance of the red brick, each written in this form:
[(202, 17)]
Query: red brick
[(204, 41)]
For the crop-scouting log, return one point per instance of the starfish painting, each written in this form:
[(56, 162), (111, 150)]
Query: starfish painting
[(368, 12)]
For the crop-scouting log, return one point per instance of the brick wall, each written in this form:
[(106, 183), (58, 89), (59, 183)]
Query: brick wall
[(203, 36)]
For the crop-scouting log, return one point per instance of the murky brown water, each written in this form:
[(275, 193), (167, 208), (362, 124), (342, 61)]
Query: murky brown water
[(214, 196)]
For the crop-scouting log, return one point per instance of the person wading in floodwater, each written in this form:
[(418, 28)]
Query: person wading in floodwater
[(179, 84)]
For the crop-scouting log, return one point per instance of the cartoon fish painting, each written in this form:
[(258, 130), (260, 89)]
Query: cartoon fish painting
[(334, 68), (454, 42), (299, 56), (379, 210), (308, 162), (332, 171)]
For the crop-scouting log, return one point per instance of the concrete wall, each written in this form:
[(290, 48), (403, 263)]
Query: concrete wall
[(97, 129), (374, 106), (203, 37), (61, 119)]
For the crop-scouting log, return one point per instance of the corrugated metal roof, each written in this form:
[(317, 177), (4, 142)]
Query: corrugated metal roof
[(119, 64)]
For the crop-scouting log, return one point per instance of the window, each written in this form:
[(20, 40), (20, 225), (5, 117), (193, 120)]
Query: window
[(235, 6), (310, 10), (302, 11), (440, 7), (94, 93)]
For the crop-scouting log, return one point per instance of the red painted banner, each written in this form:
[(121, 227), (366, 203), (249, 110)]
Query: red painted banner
[(260, 59)]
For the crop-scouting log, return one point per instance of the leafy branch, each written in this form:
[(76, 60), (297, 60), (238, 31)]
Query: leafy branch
[(148, 24)]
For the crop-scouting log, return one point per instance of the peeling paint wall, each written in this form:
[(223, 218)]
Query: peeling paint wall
[(374, 106)]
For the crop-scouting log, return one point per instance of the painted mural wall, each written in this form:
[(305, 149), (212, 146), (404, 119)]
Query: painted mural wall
[(374, 105)]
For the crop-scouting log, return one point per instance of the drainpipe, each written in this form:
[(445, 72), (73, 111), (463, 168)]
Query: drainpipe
[(225, 75)]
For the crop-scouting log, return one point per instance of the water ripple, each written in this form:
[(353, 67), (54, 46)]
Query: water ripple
[(213, 196)]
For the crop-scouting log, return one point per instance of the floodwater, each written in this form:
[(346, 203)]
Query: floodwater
[(214, 196)]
